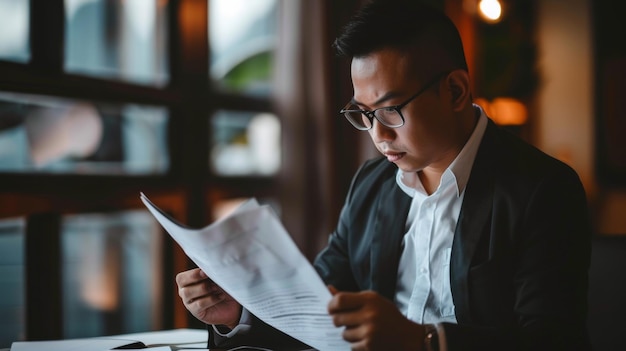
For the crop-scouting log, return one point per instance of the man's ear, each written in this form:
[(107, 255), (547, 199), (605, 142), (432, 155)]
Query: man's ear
[(458, 83)]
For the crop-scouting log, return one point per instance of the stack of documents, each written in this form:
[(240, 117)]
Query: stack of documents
[(252, 257)]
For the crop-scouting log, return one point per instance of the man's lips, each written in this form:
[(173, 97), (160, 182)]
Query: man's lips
[(394, 156)]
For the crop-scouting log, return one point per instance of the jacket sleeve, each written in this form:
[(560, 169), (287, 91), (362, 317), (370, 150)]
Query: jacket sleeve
[(333, 263), (260, 334)]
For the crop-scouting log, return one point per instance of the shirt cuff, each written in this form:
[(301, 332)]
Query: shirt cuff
[(245, 322)]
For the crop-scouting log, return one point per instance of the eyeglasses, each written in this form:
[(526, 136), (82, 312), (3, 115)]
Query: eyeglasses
[(390, 116)]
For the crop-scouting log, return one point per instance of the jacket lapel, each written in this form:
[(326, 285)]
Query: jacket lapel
[(475, 213), (391, 214)]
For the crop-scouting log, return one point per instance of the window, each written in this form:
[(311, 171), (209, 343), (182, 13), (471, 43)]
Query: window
[(54, 135), (243, 35), (14, 30), (245, 143), (99, 101), (111, 274), (116, 39), (12, 325)]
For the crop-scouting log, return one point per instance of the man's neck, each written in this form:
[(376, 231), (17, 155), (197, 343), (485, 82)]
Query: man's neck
[(429, 180), (430, 177)]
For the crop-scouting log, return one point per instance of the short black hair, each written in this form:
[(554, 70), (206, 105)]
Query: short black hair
[(402, 25)]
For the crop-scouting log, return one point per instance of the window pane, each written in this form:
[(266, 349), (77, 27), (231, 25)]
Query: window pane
[(45, 134), (14, 42), (111, 272), (242, 35), (117, 39), (245, 143), (12, 284)]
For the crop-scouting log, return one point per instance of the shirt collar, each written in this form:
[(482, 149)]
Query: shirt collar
[(459, 170)]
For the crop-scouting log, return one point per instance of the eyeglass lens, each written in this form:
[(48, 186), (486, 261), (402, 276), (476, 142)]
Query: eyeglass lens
[(389, 117)]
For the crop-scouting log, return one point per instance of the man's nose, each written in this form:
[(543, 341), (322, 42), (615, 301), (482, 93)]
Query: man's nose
[(380, 132)]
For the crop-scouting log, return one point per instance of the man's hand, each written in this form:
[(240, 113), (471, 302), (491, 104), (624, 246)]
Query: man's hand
[(373, 322), (206, 300)]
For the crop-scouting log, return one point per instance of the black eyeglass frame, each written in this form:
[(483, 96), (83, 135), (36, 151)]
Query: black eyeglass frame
[(398, 108)]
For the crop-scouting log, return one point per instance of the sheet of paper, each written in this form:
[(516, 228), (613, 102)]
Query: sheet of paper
[(91, 344), (253, 258), (154, 341), (182, 337)]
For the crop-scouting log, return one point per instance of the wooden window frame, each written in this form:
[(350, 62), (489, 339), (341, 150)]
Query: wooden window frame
[(188, 189)]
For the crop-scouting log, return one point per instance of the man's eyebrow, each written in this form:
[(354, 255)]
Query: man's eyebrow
[(389, 96)]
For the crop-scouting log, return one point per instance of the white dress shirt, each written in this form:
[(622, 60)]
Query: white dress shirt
[(423, 291)]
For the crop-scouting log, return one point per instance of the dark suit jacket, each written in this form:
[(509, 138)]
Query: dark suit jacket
[(518, 269)]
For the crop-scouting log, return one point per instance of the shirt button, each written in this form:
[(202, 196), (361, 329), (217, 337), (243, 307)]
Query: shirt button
[(423, 270)]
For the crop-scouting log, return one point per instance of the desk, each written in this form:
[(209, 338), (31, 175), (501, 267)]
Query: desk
[(175, 339), (165, 340)]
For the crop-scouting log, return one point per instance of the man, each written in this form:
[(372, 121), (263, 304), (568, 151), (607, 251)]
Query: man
[(462, 237)]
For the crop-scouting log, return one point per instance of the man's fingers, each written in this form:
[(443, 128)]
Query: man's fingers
[(206, 301), (347, 319), (352, 334), (195, 291), (345, 301), (189, 277)]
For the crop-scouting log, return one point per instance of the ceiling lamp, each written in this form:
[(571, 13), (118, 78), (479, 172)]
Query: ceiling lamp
[(490, 10)]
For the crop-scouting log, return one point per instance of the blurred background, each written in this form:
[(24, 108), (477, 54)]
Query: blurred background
[(201, 104)]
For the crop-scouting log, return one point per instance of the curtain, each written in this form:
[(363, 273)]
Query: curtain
[(311, 86)]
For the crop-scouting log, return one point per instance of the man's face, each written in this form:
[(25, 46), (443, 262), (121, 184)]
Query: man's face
[(388, 77)]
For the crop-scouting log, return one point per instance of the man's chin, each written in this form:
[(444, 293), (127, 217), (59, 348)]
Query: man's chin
[(407, 168)]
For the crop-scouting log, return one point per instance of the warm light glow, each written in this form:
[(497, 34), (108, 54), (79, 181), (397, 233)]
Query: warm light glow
[(508, 111), (222, 208), (504, 110), (100, 278), (490, 10)]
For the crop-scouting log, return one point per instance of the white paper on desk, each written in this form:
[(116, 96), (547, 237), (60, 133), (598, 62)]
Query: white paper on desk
[(178, 338), (92, 344), (253, 258), (154, 341)]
